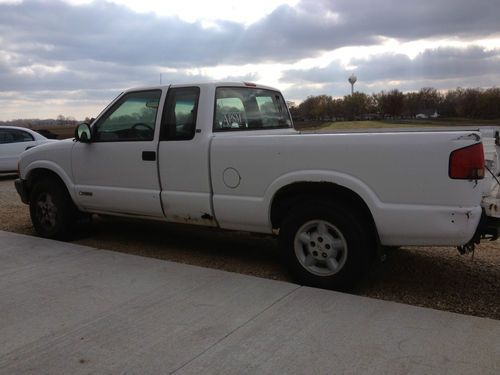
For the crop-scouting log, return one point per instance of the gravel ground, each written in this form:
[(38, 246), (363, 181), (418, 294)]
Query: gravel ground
[(432, 277)]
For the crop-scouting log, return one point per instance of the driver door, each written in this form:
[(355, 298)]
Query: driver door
[(117, 172)]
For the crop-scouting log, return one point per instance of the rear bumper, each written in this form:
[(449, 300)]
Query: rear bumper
[(411, 225), (488, 228), (22, 190), (493, 228), (491, 205)]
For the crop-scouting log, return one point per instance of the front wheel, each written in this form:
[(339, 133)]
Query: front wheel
[(325, 245), (51, 209)]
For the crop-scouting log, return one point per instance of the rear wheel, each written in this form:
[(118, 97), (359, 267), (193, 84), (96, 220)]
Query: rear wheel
[(51, 209), (325, 245)]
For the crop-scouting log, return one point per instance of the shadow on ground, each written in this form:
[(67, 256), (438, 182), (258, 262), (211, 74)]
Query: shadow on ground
[(424, 276), (206, 247)]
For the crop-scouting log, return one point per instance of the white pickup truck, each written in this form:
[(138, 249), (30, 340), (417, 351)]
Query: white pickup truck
[(226, 155)]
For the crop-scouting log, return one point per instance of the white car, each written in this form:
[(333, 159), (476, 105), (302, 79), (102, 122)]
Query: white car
[(13, 142)]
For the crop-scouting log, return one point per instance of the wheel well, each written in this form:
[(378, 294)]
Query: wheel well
[(40, 174), (293, 194)]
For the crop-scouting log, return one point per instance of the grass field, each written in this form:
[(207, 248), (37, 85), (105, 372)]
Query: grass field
[(367, 125), (389, 124)]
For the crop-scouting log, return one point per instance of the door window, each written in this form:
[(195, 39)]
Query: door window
[(132, 118), (179, 115)]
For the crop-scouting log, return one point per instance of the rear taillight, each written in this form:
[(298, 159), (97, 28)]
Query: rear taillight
[(467, 163)]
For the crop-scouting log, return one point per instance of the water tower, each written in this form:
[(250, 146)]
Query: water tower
[(352, 80)]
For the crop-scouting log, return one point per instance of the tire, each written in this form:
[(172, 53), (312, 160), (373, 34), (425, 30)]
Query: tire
[(51, 209), (326, 244)]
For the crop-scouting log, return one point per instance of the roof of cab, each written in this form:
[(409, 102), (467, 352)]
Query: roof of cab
[(207, 84)]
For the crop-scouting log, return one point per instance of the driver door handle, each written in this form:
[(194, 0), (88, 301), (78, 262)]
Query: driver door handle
[(149, 155)]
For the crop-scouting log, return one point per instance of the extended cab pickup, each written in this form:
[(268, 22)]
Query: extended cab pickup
[(226, 155)]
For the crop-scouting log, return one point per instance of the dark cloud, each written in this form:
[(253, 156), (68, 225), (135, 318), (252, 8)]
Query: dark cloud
[(103, 46), (107, 32), (441, 63), (417, 19), (442, 68), (86, 75)]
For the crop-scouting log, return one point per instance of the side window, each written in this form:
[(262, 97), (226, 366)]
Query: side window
[(6, 136), (15, 136), (22, 136), (132, 118), (244, 108), (179, 114)]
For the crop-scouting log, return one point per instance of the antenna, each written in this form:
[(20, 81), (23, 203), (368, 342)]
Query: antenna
[(160, 78)]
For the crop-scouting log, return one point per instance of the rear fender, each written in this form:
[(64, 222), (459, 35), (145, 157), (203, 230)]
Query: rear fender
[(341, 179)]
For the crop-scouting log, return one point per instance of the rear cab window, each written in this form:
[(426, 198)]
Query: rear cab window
[(248, 108)]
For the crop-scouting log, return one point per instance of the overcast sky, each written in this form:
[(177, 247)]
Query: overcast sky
[(71, 57)]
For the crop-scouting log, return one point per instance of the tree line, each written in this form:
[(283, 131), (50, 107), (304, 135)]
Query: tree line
[(474, 103), (37, 123)]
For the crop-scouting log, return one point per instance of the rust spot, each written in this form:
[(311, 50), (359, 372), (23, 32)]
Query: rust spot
[(204, 219), (206, 216)]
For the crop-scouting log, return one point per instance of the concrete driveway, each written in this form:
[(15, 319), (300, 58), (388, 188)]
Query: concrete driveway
[(67, 308)]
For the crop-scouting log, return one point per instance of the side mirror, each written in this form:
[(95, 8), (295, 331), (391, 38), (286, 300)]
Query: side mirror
[(83, 133)]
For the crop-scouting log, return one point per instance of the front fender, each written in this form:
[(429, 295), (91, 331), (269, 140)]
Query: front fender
[(28, 170)]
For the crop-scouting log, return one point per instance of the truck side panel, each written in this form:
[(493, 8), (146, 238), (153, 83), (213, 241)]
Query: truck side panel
[(403, 179)]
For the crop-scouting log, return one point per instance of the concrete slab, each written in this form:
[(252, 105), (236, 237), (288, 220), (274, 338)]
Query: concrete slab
[(86, 310), (66, 308), (314, 331)]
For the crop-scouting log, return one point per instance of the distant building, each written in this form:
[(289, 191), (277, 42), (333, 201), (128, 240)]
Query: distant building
[(426, 114)]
